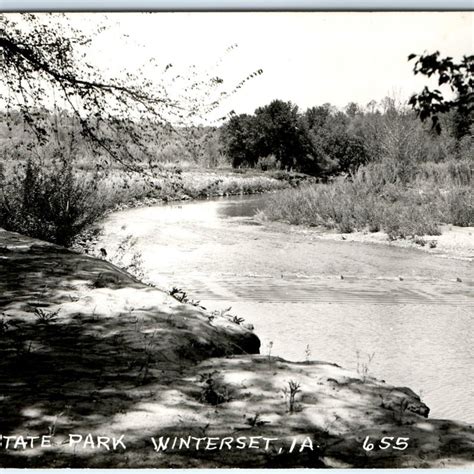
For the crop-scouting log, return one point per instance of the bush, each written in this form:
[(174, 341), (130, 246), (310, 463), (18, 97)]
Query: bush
[(404, 220), (49, 203), (267, 163), (459, 207), (356, 204)]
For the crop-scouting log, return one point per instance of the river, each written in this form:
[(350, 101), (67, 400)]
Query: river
[(313, 298)]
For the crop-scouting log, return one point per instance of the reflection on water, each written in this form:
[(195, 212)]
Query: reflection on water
[(420, 329), (243, 207)]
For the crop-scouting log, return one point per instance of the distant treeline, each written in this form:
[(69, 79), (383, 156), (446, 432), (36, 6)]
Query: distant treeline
[(324, 141), (179, 145)]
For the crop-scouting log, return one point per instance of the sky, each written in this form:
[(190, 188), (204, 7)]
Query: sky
[(307, 58)]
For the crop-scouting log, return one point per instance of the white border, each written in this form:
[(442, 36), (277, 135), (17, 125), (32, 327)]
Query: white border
[(234, 5)]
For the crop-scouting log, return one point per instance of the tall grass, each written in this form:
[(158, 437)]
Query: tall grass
[(57, 199), (51, 203), (375, 199), (118, 188)]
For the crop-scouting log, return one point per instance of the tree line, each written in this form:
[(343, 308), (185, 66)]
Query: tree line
[(323, 140)]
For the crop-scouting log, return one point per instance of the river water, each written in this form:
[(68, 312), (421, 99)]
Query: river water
[(313, 298)]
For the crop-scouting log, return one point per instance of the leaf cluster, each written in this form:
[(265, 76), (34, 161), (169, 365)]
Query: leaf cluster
[(46, 64), (459, 76)]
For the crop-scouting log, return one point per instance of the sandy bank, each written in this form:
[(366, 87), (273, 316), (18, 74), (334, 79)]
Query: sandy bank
[(454, 242), (86, 348)]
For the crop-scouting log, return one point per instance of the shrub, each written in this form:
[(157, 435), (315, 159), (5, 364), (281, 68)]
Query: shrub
[(213, 390), (403, 220), (459, 207), (357, 203), (267, 163), (49, 203), (290, 395)]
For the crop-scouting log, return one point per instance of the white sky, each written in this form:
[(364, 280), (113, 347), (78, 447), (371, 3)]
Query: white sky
[(308, 58)]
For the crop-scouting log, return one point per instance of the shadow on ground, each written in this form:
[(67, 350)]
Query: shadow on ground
[(86, 348)]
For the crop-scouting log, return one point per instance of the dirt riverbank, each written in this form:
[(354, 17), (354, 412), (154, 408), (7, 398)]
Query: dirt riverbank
[(454, 242)]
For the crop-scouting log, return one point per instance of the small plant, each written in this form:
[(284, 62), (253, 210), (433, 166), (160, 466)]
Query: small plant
[(237, 320), (211, 317), (260, 217), (213, 390), (52, 426), (127, 258), (94, 315), (222, 313), (178, 294), (433, 244), (182, 297), (225, 313), (269, 347), (269, 354), (149, 352), (364, 366), (136, 266), (290, 395), (255, 421), (45, 317), (252, 420)]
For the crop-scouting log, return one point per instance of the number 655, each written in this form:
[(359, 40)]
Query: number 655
[(386, 442)]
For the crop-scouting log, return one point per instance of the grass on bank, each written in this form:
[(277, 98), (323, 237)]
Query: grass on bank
[(58, 201), (119, 188), (436, 193)]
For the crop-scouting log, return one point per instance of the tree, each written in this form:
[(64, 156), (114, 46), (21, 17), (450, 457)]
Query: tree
[(239, 139), (44, 63), (280, 133), (317, 142), (352, 109), (274, 129), (429, 104), (334, 148)]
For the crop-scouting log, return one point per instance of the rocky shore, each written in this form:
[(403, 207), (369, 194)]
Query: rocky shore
[(88, 351)]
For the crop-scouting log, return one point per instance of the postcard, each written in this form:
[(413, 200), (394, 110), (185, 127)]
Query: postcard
[(236, 240)]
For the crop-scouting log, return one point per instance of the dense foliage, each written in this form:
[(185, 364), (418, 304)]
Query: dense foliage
[(460, 79), (51, 203), (325, 141), (313, 142)]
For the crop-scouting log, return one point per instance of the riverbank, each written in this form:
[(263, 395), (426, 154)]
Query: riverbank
[(57, 202), (369, 202), (86, 348), (119, 191), (124, 191), (453, 241)]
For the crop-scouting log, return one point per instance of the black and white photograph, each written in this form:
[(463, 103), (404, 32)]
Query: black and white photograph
[(237, 239)]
